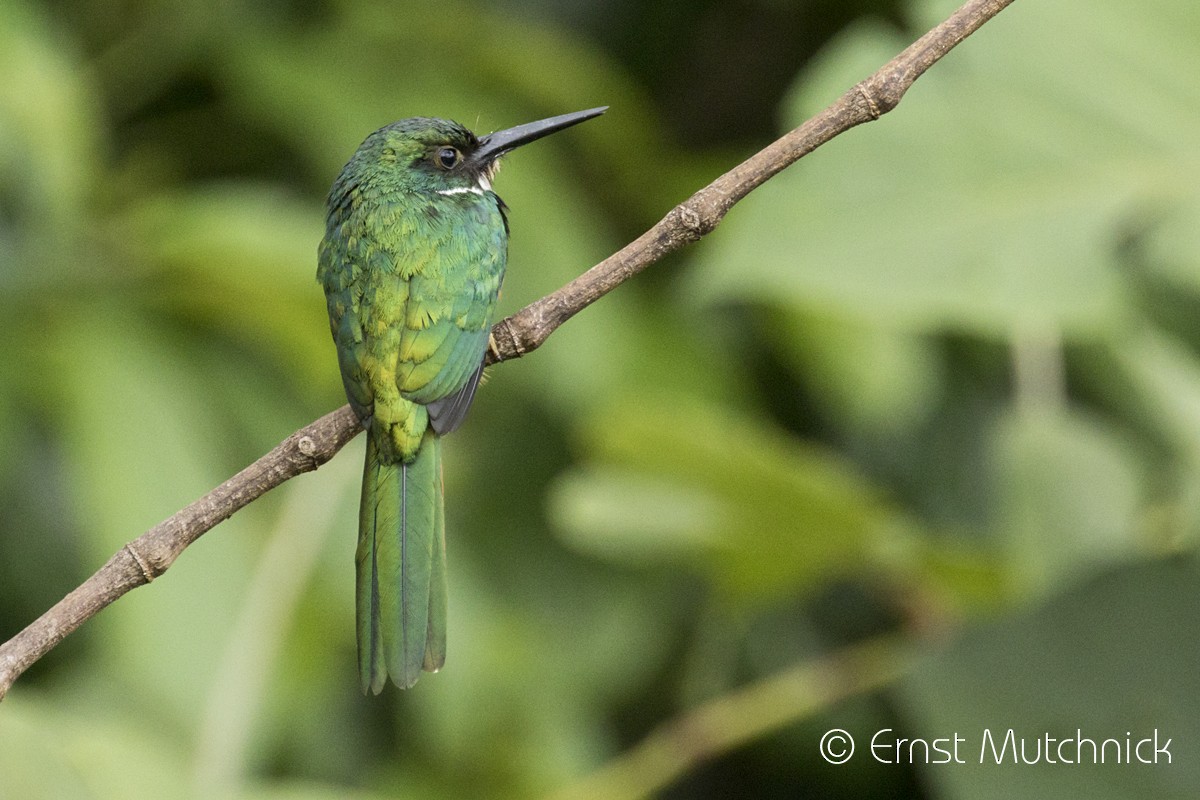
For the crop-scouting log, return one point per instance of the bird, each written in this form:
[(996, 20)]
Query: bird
[(412, 259)]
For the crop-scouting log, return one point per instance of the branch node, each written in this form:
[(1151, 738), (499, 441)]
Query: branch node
[(509, 345), (868, 97), (306, 446), (692, 222), (148, 572)]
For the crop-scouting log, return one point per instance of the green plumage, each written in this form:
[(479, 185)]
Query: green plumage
[(411, 262)]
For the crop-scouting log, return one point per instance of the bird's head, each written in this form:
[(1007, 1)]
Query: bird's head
[(438, 155)]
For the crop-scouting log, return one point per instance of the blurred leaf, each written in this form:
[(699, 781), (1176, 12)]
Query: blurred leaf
[(295, 790), (987, 200), (1161, 382), (48, 753), (1069, 493), (867, 377), (1165, 379), (626, 516), (1174, 243), (775, 514), (1115, 658), (49, 127), (239, 259)]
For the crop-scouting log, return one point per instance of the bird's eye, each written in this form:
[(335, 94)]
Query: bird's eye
[(448, 158)]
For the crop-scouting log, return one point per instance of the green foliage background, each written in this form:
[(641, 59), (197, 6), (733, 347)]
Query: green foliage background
[(939, 382)]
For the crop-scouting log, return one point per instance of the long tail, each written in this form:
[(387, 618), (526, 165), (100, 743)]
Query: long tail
[(401, 568)]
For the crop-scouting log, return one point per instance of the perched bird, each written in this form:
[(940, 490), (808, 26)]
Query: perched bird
[(412, 259)]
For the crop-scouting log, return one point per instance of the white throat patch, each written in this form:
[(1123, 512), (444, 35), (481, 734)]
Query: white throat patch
[(485, 185)]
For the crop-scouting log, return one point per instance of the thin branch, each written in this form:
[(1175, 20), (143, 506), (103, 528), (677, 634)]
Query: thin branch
[(735, 719), (149, 556)]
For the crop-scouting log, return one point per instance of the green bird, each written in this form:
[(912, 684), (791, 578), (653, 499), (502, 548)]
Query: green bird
[(412, 260)]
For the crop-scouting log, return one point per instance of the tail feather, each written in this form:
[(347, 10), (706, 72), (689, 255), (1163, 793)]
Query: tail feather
[(435, 636), (401, 568), (371, 666)]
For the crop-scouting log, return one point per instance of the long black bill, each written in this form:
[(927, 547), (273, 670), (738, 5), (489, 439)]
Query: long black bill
[(497, 144)]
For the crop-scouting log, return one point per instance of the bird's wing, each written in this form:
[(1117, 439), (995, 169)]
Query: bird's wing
[(452, 295), (447, 414)]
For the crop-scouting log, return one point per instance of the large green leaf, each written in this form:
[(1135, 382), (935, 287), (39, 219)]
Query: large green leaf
[(995, 196)]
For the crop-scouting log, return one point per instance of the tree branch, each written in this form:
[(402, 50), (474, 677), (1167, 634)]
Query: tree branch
[(149, 556)]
